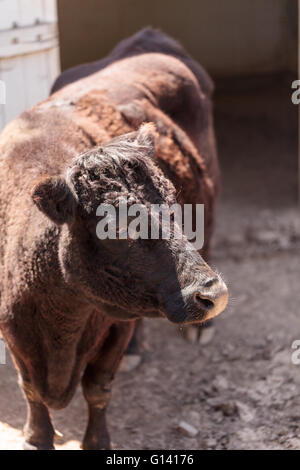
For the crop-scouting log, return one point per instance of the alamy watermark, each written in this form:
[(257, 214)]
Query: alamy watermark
[(2, 92), (2, 352), (296, 94), (156, 221), (295, 356)]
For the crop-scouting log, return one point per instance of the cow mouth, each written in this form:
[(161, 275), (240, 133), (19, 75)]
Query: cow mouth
[(182, 314), (182, 318), (199, 321)]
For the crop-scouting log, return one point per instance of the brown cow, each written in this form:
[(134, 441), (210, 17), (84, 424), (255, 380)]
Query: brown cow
[(68, 299)]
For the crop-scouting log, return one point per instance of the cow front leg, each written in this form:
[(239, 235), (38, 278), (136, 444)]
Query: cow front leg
[(38, 430), (97, 381)]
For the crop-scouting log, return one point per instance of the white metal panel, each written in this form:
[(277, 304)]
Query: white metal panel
[(29, 53), (27, 40), (12, 74), (28, 80), (26, 12), (53, 63), (2, 102), (35, 78), (2, 117), (8, 13), (30, 12), (50, 10), (2, 108)]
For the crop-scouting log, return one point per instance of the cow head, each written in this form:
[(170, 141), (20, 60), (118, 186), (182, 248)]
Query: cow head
[(126, 278)]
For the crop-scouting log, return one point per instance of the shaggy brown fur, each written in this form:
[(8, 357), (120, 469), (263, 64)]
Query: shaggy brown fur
[(63, 292)]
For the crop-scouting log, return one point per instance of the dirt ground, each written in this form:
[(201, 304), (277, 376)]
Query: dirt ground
[(240, 391)]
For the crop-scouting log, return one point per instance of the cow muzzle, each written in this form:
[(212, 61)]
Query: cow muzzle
[(197, 302), (209, 299)]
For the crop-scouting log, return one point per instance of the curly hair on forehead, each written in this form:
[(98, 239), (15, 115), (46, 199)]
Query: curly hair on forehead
[(122, 168)]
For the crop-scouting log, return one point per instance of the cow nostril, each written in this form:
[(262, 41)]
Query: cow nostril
[(204, 302), (210, 282)]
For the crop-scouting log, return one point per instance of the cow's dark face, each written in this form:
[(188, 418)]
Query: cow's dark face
[(127, 278)]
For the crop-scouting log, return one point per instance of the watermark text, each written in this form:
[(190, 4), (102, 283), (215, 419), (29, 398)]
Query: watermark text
[(155, 221)]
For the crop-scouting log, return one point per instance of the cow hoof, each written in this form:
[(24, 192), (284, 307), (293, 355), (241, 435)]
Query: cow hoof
[(206, 334), (190, 334), (130, 362), (199, 334), (94, 446), (28, 446), (58, 436)]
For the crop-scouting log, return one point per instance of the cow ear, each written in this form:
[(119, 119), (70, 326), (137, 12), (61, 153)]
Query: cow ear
[(54, 198), (146, 136)]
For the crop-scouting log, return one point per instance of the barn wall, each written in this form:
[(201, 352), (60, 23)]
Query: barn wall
[(230, 38)]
